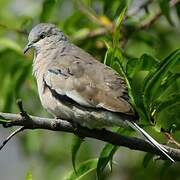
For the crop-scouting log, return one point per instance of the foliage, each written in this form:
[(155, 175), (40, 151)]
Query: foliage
[(142, 49)]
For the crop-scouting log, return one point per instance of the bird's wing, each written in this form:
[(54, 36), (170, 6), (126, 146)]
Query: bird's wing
[(87, 82)]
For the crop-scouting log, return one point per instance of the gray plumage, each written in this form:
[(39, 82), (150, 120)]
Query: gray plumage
[(74, 86)]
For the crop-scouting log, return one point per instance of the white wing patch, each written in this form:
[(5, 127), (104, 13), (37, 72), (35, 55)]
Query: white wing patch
[(78, 98)]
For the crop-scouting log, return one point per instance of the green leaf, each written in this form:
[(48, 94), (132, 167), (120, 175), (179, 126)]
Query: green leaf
[(120, 8), (2, 119), (165, 8), (21, 78), (6, 43), (167, 112), (105, 156), (178, 9), (144, 63), (132, 67), (29, 175), (108, 6), (9, 95), (75, 24), (75, 147), (137, 70), (8, 101), (164, 168), (137, 93), (108, 56), (170, 101), (168, 119), (170, 85), (108, 152), (147, 158), (114, 59), (154, 79), (48, 7), (117, 35), (118, 62), (82, 170), (173, 99)]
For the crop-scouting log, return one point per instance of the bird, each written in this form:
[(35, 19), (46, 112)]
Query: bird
[(74, 86)]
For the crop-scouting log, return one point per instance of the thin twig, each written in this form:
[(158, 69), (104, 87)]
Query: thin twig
[(23, 113), (109, 29), (93, 33), (11, 135), (146, 24), (172, 140), (149, 22), (25, 117), (90, 13)]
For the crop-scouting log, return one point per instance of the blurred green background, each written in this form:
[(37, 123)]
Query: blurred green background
[(92, 25)]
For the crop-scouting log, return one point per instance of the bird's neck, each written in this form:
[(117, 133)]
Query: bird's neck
[(44, 56)]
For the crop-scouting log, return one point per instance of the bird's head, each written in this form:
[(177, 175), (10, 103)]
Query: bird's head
[(43, 34)]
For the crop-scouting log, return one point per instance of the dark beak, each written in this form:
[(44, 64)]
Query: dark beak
[(28, 46)]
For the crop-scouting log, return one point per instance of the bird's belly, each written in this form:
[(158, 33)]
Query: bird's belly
[(87, 117), (55, 107), (92, 118)]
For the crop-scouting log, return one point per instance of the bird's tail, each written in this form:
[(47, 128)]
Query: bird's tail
[(149, 138)]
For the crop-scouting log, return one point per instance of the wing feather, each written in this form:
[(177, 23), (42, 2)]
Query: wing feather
[(88, 82)]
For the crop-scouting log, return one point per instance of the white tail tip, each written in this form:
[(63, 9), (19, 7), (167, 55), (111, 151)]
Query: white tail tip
[(150, 139)]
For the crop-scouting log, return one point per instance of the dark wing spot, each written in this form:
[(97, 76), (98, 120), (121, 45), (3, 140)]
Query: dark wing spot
[(54, 71), (63, 54), (76, 62), (77, 57), (63, 49), (57, 72), (44, 86)]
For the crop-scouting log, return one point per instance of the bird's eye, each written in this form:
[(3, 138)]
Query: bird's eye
[(42, 36)]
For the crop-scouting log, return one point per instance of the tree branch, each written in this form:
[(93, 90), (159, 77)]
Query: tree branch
[(33, 122), (148, 23), (172, 140), (142, 26)]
